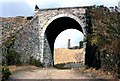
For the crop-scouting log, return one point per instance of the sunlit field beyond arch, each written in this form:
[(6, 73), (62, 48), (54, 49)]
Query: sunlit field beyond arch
[(61, 52)]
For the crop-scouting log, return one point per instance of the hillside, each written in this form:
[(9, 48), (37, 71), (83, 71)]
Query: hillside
[(64, 55), (103, 38)]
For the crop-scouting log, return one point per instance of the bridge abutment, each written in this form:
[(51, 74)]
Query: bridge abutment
[(37, 40)]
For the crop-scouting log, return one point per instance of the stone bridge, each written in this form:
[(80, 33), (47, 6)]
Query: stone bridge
[(37, 37)]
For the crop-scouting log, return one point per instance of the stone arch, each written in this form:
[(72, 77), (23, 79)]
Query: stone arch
[(65, 15), (48, 59)]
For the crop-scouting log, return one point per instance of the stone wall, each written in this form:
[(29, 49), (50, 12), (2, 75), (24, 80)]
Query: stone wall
[(31, 39), (27, 40), (8, 27), (46, 16), (11, 25)]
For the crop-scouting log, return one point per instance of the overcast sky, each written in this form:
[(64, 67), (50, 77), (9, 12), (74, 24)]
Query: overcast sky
[(74, 35), (26, 7), (12, 8)]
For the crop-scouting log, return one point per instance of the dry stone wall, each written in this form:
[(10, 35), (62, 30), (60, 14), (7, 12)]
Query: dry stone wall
[(28, 40), (31, 39), (11, 25)]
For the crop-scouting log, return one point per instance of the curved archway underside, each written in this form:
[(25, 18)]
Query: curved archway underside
[(52, 31)]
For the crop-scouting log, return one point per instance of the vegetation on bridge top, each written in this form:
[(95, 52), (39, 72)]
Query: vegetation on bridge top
[(104, 36)]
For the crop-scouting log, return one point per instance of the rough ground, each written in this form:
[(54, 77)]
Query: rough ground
[(61, 56), (52, 73), (48, 74)]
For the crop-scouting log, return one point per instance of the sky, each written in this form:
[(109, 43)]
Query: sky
[(12, 8), (26, 7), (74, 35)]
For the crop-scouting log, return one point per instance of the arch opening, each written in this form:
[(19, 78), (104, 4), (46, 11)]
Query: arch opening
[(68, 52), (52, 31)]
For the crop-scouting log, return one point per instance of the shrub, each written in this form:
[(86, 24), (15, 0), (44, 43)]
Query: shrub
[(33, 61), (10, 42), (105, 35), (12, 57), (61, 66), (5, 73), (81, 44)]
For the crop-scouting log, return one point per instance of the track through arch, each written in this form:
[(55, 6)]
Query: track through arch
[(53, 28)]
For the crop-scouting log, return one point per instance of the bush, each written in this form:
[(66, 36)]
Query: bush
[(35, 62), (5, 73), (105, 35), (81, 44), (10, 42), (61, 66), (11, 57)]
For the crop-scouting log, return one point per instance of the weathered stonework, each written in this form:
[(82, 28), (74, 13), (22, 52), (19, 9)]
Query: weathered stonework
[(11, 25), (27, 42), (32, 39)]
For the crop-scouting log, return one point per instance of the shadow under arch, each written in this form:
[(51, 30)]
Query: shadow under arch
[(52, 30)]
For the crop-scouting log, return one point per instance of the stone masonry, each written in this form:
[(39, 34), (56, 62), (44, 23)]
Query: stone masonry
[(31, 39)]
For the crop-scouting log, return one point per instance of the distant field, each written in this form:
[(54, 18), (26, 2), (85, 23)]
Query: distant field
[(64, 55)]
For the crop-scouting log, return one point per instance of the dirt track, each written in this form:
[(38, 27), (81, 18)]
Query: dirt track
[(62, 56), (52, 73), (47, 74)]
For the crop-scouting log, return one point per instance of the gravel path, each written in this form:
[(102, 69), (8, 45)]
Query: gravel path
[(48, 74), (53, 73)]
